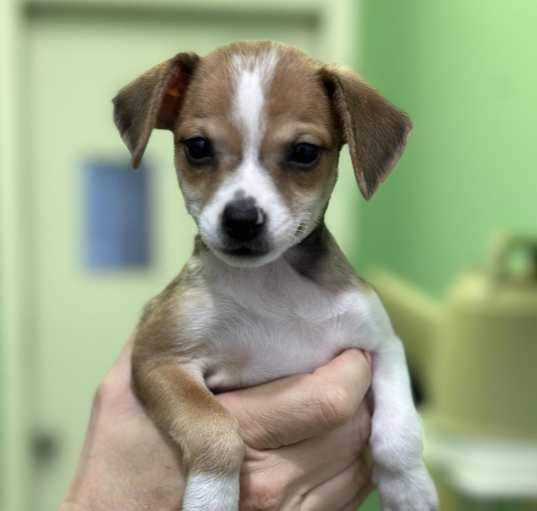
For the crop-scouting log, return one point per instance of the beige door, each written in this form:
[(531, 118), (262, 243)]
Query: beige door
[(77, 58)]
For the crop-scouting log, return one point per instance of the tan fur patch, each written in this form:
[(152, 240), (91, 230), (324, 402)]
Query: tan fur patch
[(174, 395), (294, 114), (306, 113)]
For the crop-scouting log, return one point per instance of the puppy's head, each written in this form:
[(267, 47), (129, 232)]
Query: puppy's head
[(257, 129)]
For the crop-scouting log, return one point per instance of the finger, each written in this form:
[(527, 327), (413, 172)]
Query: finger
[(340, 491), (294, 470), (292, 409), (115, 390), (119, 374), (319, 459)]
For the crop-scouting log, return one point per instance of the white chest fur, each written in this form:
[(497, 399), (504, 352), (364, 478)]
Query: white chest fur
[(265, 323), (256, 349)]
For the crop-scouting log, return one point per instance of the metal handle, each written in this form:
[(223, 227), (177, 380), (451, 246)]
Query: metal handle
[(45, 447)]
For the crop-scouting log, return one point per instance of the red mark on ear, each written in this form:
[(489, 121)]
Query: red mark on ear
[(172, 98), (177, 83)]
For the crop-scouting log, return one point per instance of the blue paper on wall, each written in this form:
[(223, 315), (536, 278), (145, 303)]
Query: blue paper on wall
[(116, 217)]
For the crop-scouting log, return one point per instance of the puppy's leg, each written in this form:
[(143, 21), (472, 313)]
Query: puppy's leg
[(177, 399), (396, 435)]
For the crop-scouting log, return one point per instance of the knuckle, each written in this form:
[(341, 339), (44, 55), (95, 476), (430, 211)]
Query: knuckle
[(335, 405), (267, 436), (105, 394), (112, 390)]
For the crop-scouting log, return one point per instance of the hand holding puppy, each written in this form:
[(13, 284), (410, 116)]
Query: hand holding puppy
[(304, 434)]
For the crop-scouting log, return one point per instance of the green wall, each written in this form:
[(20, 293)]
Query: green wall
[(466, 72)]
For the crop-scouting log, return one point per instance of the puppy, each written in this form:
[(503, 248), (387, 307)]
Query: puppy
[(267, 293)]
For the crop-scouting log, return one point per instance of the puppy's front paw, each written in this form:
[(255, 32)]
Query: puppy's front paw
[(207, 492), (412, 490)]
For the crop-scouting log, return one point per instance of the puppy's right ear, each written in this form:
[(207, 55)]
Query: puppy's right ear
[(152, 101)]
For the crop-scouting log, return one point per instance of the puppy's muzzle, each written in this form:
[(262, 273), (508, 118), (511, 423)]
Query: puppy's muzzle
[(243, 221)]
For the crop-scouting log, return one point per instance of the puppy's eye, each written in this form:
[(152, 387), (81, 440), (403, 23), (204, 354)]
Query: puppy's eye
[(303, 154), (198, 150)]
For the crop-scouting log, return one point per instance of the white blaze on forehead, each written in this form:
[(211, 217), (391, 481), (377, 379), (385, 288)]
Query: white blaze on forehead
[(253, 75), (252, 78)]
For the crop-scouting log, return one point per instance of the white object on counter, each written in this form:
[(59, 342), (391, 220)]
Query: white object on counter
[(485, 468)]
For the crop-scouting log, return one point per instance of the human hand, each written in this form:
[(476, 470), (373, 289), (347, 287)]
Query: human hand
[(305, 438)]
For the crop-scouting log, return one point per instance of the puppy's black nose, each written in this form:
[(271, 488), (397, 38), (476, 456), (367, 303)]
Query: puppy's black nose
[(242, 220)]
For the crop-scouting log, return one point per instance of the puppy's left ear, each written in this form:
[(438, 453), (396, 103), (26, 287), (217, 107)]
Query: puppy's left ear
[(374, 129), (152, 101)]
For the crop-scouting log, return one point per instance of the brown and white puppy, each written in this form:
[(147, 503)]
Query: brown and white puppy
[(267, 293)]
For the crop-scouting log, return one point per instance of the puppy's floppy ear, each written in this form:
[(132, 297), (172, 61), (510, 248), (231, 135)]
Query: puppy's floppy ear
[(373, 128), (152, 101)]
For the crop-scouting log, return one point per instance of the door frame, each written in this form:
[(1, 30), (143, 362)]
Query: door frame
[(339, 43)]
